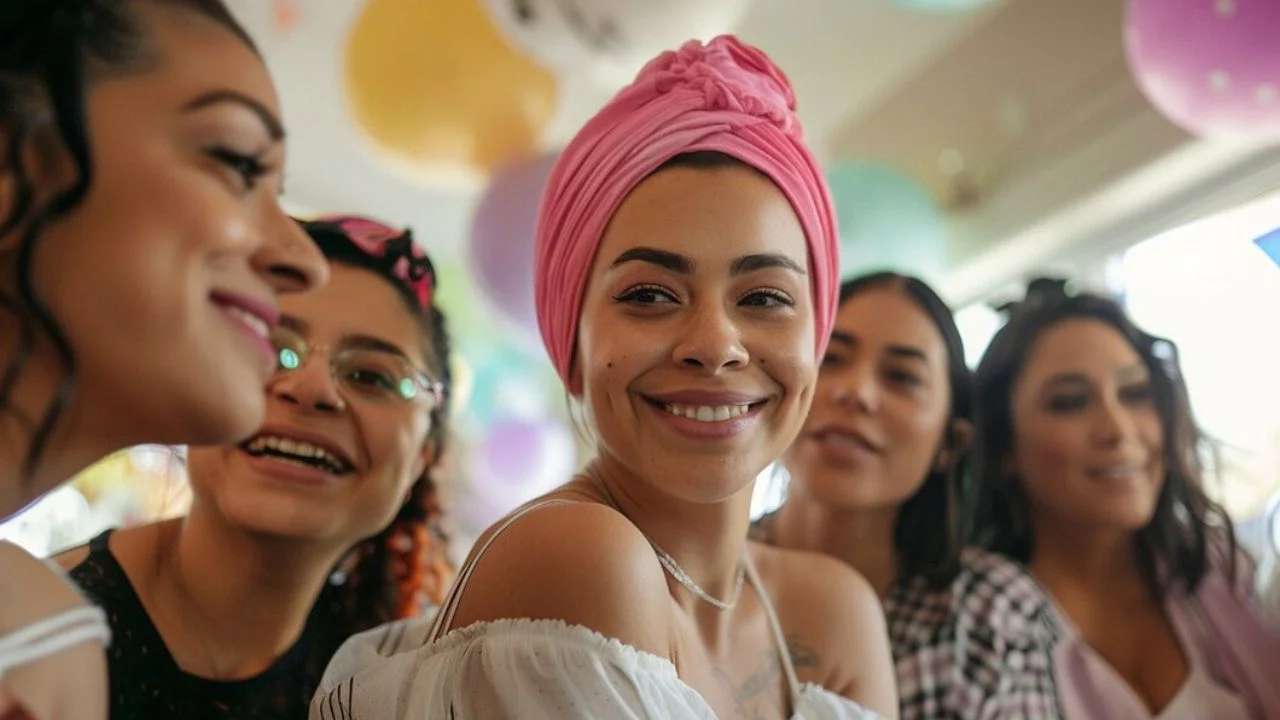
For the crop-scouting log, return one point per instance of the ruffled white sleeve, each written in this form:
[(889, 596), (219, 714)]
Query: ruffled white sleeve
[(503, 669)]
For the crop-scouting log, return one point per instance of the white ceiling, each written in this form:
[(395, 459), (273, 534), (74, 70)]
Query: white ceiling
[(841, 55), (1063, 156)]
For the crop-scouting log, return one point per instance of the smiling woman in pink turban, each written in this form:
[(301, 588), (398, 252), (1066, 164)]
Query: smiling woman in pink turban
[(686, 287)]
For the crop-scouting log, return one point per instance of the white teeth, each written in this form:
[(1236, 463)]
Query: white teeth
[(255, 323), (297, 448), (708, 413)]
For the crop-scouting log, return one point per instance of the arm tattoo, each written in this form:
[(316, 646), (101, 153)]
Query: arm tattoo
[(802, 656)]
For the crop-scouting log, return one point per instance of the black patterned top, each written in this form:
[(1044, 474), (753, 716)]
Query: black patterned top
[(147, 684)]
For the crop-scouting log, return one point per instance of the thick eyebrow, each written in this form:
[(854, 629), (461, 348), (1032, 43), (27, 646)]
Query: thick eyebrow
[(272, 123), (763, 261), (850, 341), (669, 260), (906, 351), (683, 265), (1132, 373), (843, 338), (356, 341)]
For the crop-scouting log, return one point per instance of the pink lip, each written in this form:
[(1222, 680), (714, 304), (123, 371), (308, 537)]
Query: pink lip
[(308, 437), (289, 472), (703, 397), (718, 430), (265, 311), (852, 433)]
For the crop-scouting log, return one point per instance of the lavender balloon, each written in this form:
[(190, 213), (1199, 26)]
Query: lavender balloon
[(502, 238), (1210, 66)]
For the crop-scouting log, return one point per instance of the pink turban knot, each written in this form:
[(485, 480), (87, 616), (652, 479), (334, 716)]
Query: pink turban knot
[(725, 96)]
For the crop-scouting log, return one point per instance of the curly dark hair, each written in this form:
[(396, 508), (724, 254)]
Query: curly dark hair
[(1181, 542), (51, 53), (391, 573)]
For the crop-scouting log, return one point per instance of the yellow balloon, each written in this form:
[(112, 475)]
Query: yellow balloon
[(435, 86)]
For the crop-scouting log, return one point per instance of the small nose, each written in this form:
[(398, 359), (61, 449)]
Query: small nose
[(856, 387), (288, 259), (1112, 422), (710, 340), (310, 387)]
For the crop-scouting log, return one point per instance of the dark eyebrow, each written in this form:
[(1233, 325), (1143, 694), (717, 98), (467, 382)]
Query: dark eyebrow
[(843, 338), (906, 351), (356, 341), (274, 127), (683, 265), (368, 342), (661, 258), (850, 341), (1067, 378), (763, 261)]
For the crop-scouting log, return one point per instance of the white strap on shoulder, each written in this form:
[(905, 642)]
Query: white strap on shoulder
[(51, 635), (784, 652), (444, 618)]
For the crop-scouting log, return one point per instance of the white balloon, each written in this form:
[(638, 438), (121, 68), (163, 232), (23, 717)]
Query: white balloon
[(609, 40)]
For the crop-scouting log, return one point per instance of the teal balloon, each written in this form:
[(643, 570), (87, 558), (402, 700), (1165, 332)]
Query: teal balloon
[(942, 5), (506, 380), (887, 222)]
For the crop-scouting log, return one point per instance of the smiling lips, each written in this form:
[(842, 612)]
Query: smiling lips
[(254, 318), (312, 454), (1117, 471), (845, 445), (707, 415)]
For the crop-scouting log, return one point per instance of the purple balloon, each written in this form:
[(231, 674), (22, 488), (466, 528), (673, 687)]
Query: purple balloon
[(1211, 66), (502, 237)]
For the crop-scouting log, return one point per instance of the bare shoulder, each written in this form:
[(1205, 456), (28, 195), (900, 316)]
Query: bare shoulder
[(31, 589), (575, 561), (834, 623)]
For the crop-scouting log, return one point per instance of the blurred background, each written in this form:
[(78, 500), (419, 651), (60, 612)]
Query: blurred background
[(1128, 146)]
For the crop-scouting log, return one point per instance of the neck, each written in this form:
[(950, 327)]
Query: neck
[(862, 538), (245, 598), (707, 540), (36, 387), (1085, 566)]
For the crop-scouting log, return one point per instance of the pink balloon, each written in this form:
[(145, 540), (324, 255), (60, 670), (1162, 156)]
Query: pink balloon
[(502, 238), (1211, 66)]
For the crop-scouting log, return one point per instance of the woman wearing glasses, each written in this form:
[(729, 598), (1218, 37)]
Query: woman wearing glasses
[(234, 610)]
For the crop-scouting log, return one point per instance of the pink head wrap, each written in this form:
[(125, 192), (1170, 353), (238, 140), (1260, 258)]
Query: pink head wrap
[(725, 96)]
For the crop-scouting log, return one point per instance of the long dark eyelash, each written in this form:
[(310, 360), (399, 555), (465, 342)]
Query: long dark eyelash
[(778, 295), (249, 167), (631, 292)]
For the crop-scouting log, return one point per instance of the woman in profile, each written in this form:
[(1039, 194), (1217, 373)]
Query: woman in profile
[(143, 252)]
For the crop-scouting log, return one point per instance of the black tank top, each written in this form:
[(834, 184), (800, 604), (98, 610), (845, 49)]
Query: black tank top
[(147, 684)]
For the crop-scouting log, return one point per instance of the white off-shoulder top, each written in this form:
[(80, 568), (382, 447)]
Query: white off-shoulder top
[(520, 668)]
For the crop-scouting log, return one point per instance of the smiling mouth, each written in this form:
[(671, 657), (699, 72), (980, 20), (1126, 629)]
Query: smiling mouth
[(1118, 471), (706, 413), (299, 452)]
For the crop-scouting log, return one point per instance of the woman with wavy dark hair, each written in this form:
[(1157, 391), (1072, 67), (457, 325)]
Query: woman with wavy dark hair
[(234, 610), (875, 474), (142, 253), (1089, 468), (874, 477)]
